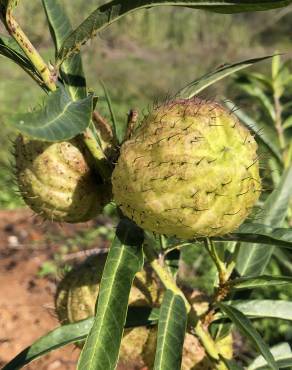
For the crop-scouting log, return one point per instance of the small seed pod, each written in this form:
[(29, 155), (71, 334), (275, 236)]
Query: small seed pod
[(75, 301), (189, 170), (56, 180), (77, 294)]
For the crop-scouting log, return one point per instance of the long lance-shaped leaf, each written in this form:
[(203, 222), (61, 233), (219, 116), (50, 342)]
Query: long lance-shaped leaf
[(209, 79), (245, 326), (60, 119), (282, 354), (60, 27), (124, 260), (114, 10), (72, 333), (259, 282), (57, 338), (253, 259), (171, 332), (263, 131), (259, 234), (10, 49), (262, 308)]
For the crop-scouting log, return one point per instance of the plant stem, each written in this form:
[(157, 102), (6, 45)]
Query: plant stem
[(49, 77), (278, 125), (222, 271), (201, 332), (102, 165)]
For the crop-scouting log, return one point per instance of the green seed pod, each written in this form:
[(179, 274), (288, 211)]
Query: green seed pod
[(75, 301), (77, 294), (189, 170), (56, 180)]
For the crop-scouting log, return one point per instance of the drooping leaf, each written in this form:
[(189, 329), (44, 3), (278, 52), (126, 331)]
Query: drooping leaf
[(72, 333), (55, 339), (252, 282), (171, 332), (260, 234), (209, 79), (252, 258), (124, 260), (264, 132), (112, 11), (10, 49), (282, 354), (245, 326), (60, 27), (60, 119)]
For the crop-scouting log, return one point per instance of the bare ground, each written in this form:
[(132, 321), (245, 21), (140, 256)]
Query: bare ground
[(27, 300)]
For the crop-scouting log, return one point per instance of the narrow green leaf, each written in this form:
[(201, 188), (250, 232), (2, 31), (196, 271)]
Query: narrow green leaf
[(10, 49), (171, 332), (282, 354), (55, 339), (245, 326), (253, 259), (257, 93), (60, 27), (60, 118), (71, 333), (264, 132), (260, 234), (285, 363), (112, 113), (287, 123), (251, 282), (108, 13), (264, 308), (124, 260), (209, 79)]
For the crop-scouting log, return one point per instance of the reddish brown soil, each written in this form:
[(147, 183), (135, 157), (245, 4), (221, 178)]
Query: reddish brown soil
[(26, 300)]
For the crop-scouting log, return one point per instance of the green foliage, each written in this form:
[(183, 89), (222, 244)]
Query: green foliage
[(60, 119), (253, 259), (72, 69), (195, 87), (124, 260), (245, 326), (171, 332)]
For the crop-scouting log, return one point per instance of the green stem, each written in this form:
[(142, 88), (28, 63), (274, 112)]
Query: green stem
[(48, 76), (222, 271)]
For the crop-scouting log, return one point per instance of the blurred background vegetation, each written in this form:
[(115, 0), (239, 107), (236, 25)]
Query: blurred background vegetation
[(144, 57)]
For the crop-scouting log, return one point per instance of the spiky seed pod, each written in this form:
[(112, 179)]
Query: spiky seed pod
[(56, 180), (190, 170), (75, 301)]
